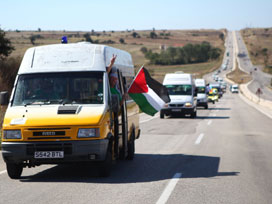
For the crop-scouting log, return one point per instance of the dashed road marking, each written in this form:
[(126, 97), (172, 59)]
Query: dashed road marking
[(169, 188), (209, 122), (3, 172), (198, 140)]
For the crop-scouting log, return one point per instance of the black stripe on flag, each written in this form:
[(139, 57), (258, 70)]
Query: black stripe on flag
[(157, 87)]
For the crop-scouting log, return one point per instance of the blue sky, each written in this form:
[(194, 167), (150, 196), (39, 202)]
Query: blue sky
[(85, 15)]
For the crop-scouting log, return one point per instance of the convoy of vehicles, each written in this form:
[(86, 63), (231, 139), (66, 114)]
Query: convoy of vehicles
[(61, 109), (181, 89)]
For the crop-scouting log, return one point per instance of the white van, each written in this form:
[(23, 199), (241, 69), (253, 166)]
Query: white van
[(181, 89), (202, 99), (234, 88)]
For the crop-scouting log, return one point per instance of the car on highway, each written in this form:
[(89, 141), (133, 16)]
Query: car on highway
[(234, 88), (213, 95)]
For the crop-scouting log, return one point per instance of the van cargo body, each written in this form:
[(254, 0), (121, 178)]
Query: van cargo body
[(61, 109), (181, 89)]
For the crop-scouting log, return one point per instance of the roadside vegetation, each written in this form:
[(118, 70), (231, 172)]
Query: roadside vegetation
[(259, 45), (187, 54)]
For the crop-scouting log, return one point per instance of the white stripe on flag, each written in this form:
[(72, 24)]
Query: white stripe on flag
[(154, 100)]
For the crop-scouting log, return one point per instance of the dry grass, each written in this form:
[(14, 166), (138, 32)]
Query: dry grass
[(238, 76), (177, 38)]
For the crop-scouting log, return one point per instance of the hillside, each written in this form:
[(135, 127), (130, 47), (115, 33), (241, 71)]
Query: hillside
[(133, 42), (259, 45)]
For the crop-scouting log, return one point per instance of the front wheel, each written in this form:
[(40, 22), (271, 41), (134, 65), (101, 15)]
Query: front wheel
[(14, 170), (105, 166), (193, 115), (131, 147), (161, 115)]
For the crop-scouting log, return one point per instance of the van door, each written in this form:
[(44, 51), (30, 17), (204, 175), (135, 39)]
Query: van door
[(123, 123)]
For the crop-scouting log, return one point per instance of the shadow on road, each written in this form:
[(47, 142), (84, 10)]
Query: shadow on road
[(197, 117), (219, 108), (144, 168), (212, 117)]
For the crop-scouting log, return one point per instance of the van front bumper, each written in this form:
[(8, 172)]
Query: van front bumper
[(74, 151), (169, 111)]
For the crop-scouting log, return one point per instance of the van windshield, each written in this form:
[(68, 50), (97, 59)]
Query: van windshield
[(59, 88), (179, 89), (201, 89)]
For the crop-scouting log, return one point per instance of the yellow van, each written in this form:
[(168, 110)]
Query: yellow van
[(61, 109)]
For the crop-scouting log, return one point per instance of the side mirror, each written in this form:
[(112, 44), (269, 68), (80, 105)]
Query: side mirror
[(4, 99), (115, 103)]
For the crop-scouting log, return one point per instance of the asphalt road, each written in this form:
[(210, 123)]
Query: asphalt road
[(222, 156)]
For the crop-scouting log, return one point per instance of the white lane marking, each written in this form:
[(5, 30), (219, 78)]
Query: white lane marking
[(169, 188), (209, 122), (198, 140), (3, 172), (149, 119)]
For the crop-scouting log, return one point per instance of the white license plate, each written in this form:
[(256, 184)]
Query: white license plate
[(47, 154), (176, 110)]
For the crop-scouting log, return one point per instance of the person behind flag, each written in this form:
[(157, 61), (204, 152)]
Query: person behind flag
[(149, 94)]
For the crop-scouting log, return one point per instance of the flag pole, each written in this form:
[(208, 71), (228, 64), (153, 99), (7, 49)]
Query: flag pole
[(135, 77)]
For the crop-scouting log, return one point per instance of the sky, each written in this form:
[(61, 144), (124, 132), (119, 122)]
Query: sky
[(117, 15)]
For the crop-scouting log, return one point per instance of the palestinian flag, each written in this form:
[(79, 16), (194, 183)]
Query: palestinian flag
[(149, 94)]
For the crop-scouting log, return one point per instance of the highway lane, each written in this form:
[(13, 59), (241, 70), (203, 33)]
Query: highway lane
[(223, 156)]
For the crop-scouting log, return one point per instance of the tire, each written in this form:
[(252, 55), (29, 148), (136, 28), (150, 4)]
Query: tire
[(206, 106), (213, 102), (161, 115), (105, 166), (14, 170), (131, 147), (193, 115)]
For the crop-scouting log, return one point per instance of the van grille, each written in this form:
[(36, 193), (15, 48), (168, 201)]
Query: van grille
[(176, 105), (48, 133)]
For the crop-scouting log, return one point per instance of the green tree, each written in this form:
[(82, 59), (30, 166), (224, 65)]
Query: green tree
[(88, 38), (143, 50), (122, 41), (153, 35), (32, 39), (135, 35), (5, 45), (221, 36)]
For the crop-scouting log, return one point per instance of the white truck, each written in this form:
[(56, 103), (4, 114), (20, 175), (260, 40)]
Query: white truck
[(181, 89), (202, 99)]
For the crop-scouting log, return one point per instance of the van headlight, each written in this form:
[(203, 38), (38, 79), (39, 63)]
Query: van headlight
[(188, 105), (88, 132), (12, 134)]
